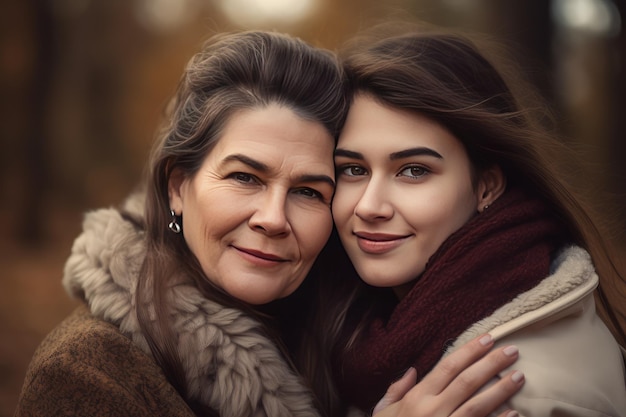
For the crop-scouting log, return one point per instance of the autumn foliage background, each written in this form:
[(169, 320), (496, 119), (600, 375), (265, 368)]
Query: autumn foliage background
[(83, 84)]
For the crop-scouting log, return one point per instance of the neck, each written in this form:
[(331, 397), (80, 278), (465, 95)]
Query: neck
[(403, 289)]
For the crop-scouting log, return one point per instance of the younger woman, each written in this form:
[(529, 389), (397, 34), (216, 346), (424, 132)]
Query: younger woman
[(447, 196)]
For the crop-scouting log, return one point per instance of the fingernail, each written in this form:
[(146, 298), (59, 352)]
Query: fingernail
[(485, 340), (510, 350), (517, 376), (512, 414)]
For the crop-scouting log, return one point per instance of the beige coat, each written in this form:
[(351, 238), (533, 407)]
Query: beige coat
[(572, 364)]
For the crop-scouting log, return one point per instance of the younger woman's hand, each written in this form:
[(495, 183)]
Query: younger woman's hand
[(450, 389)]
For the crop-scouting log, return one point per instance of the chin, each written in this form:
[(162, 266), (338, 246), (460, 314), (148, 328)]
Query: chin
[(384, 279), (378, 281), (253, 299)]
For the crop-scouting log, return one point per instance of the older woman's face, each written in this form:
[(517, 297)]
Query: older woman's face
[(257, 213)]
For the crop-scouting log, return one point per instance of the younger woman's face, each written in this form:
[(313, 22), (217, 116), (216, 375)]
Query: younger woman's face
[(257, 213), (404, 185)]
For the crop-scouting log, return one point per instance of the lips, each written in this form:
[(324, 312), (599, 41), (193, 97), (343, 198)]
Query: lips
[(379, 243), (260, 257)]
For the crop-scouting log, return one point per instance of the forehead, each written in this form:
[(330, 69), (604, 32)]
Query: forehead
[(277, 135), (374, 126)]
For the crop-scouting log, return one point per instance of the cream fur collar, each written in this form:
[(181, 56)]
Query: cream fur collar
[(229, 365)]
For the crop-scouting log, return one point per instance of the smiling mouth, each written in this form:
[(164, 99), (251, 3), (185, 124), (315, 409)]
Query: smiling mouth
[(379, 243), (379, 237), (261, 255)]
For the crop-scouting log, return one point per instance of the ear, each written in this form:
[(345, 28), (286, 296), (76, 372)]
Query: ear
[(175, 190), (491, 185)]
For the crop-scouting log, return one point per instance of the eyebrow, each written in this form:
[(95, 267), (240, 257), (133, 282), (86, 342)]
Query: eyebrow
[(421, 151), (348, 154), (394, 156), (246, 160), (261, 167)]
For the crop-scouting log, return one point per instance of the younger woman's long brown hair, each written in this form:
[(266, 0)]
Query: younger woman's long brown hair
[(495, 114)]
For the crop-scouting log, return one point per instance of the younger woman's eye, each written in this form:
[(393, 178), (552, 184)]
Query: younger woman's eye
[(414, 171), (352, 170)]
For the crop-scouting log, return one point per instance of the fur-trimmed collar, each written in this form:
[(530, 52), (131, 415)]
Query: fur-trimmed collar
[(572, 278), (229, 365)]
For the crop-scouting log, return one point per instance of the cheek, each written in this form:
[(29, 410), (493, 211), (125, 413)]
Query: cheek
[(448, 215), (343, 205), (205, 220), (195, 234), (314, 232)]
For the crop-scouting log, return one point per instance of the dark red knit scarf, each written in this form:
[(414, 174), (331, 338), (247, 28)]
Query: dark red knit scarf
[(499, 254)]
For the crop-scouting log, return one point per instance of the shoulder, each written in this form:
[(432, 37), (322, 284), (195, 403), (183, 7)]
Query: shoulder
[(571, 281), (572, 363), (87, 367)]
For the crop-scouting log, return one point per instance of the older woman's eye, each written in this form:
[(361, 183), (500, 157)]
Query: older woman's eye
[(243, 177), (414, 171), (309, 193)]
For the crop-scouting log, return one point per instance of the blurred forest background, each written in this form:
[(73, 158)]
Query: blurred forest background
[(84, 83)]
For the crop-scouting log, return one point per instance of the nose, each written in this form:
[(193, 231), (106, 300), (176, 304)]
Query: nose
[(270, 215), (374, 204)]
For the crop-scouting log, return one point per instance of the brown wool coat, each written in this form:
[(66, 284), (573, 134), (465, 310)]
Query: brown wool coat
[(86, 367), (97, 362)]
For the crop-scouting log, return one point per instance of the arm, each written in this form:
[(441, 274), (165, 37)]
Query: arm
[(64, 389), (450, 388), (85, 367)]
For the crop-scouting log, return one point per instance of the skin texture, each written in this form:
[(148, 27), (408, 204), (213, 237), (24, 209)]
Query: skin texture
[(257, 213), (404, 184)]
